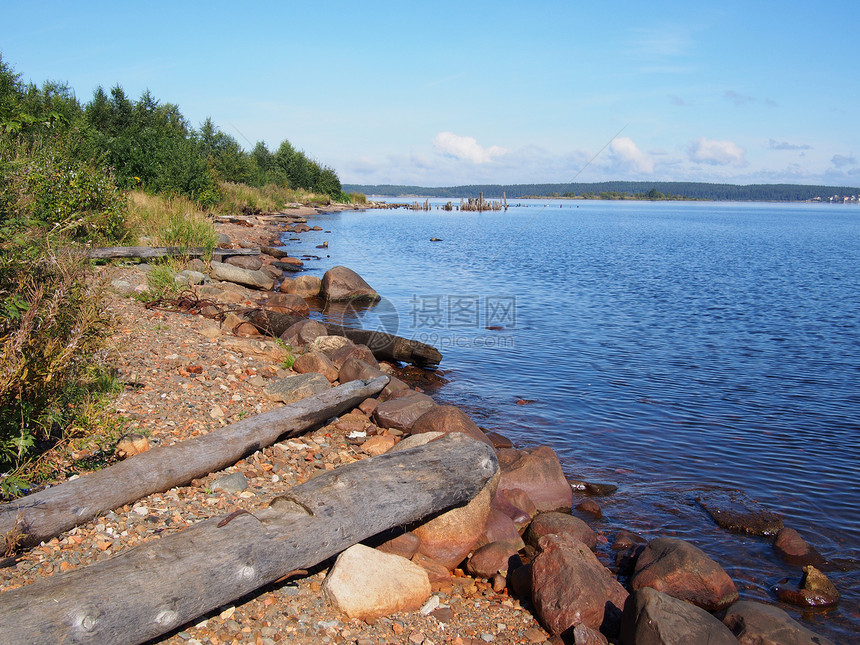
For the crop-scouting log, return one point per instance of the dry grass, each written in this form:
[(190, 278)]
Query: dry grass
[(168, 221)]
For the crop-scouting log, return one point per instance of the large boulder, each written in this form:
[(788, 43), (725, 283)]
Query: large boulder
[(354, 368), (448, 538), (654, 618), (754, 623), (248, 262), (684, 571), (350, 350), (316, 362), (560, 524), (306, 286), (296, 388), (340, 283), (230, 273), (402, 413), (367, 583), (449, 418), (491, 559), (537, 472), (570, 586)]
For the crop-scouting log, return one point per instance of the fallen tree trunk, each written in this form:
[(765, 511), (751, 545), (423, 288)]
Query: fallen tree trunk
[(384, 346), (49, 512), (166, 583), (112, 252)]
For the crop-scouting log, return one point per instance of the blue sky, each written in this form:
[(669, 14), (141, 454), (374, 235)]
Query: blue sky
[(447, 93)]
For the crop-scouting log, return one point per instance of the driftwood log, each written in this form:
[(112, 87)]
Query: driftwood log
[(384, 346), (49, 512), (165, 583), (111, 252)]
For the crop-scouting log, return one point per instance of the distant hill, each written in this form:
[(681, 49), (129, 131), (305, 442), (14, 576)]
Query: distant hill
[(614, 189)]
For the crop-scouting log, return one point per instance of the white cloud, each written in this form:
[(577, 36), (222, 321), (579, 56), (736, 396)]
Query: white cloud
[(843, 160), (627, 154), (452, 145), (717, 153)]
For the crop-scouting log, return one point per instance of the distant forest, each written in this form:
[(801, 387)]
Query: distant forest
[(620, 189)]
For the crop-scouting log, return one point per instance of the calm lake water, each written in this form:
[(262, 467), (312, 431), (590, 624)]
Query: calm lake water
[(668, 348)]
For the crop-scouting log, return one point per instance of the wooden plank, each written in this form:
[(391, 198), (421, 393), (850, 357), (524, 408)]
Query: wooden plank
[(163, 584), (146, 252), (49, 512)]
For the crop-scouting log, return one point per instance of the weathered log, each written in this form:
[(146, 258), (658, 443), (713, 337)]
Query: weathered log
[(111, 252), (49, 512), (384, 346), (163, 584)]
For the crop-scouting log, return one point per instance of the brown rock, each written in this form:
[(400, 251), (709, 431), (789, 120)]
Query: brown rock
[(303, 332), (295, 388), (131, 445), (402, 413), (285, 285), (405, 545), (378, 445), (449, 537), (306, 286), (354, 368), (394, 388), (361, 352), (446, 419), (815, 590), (520, 518), (499, 441), (436, 571), (590, 507), (537, 472), (754, 623), (570, 586), (491, 559), (368, 406), (329, 344), (501, 528), (340, 283), (684, 571), (734, 511), (316, 362), (248, 262), (560, 524), (795, 550), (288, 303), (367, 583)]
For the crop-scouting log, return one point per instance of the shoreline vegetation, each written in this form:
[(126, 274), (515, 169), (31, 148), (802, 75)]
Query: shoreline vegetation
[(615, 190)]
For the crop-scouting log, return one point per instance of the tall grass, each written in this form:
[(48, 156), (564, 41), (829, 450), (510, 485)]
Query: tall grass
[(169, 221), (241, 198)]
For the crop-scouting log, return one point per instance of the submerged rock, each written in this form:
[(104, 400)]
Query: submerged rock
[(815, 590), (734, 511), (754, 623)]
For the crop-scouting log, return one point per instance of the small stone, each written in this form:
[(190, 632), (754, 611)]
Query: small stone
[(416, 637), (217, 412), (534, 635), (233, 483), (590, 507)]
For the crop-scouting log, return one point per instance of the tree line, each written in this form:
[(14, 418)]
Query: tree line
[(619, 190)]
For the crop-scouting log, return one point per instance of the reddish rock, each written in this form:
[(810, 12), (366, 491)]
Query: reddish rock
[(583, 635), (570, 586), (449, 537), (520, 581), (378, 445), (303, 332), (520, 518), (402, 413), (537, 472), (684, 571), (395, 386), (405, 545), (500, 528), (285, 285), (436, 571), (340, 283), (815, 590), (625, 539), (306, 286), (654, 618), (316, 362), (754, 623), (735, 511), (499, 441), (354, 368), (361, 352), (560, 524), (368, 406), (449, 418), (491, 559), (248, 262), (590, 507), (795, 550), (288, 303)]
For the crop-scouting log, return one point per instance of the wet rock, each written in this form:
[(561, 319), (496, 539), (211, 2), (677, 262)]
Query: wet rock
[(296, 388), (446, 419), (754, 623), (248, 262), (795, 550), (403, 412), (230, 273), (560, 524), (303, 332), (734, 511), (590, 507), (367, 583), (288, 303), (306, 286), (499, 441), (316, 362), (600, 490), (654, 618), (570, 586), (537, 472), (627, 546), (491, 559), (449, 537), (815, 590), (340, 283), (683, 571)]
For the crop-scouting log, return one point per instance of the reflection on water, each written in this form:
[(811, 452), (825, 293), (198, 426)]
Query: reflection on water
[(667, 348)]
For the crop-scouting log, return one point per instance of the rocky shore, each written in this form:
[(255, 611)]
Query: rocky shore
[(512, 566)]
